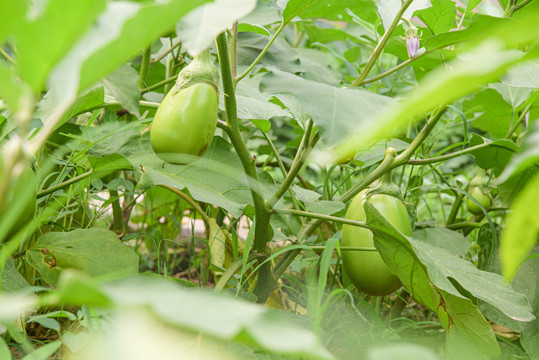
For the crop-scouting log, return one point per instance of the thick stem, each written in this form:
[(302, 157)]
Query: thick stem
[(265, 281), (378, 50), (144, 67)]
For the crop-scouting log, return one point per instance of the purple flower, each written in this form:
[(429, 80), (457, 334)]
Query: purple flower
[(412, 45)]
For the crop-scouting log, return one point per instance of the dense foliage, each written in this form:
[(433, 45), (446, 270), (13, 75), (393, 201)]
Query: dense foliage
[(212, 179)]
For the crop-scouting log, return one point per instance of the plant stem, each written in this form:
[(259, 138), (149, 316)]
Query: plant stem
[(448, 156), (144, 67), (312, 215), (347, 248), (8, 58), (454, 210), (191, 202), (265, 282), (295, 168), (262, 53), (64, 184), (117, 213), (464, 224), (378, 49), (281, 166), (234, 48), (394, 69), (159, 84), (387, 165), (518, 122), (160, 57)]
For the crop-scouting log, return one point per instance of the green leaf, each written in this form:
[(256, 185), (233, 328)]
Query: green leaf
[(217, 177), (405, 351), (94, 251), (449, 240), (219, 316), (440, 17), (4, 350), (11, 17), (12, 280), (480, 24), (119, 34), (123, 83), (527, 157), (469, 335), (441, 87), (64, 22), (44, 352), (496, 156), (513, 95), (201, 26), (295, 7), (493, 114), (341, 10), (526, 281), (90, 99), (524, 75), (78, 288), (520, 233), (336, 111), (419, 264), (13, 91)]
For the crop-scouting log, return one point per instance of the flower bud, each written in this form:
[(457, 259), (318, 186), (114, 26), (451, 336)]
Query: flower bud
[(412, 45)]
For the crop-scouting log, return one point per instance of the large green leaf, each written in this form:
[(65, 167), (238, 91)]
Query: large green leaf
[(217, 315), (337, 111), (484, 63), (496, 156), (440, 17), (95, 251), (435, 275), (48, 36), (119, 33)]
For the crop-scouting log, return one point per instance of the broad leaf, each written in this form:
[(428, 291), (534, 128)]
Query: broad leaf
[(336, 111), (65, 21), (496, 156), (201, 26), (441, 87), (218, 316), (12, 280), (123, 84), (94, 251)]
